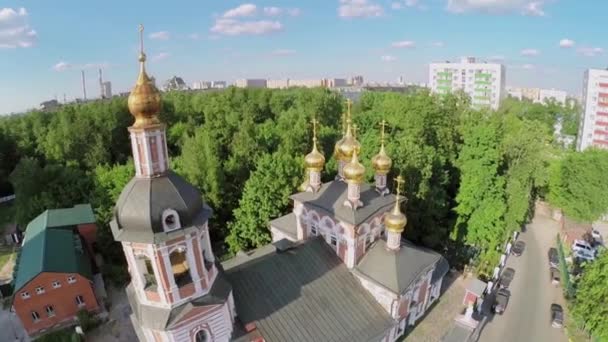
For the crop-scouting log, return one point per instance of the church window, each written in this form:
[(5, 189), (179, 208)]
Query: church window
[(170, 220), (201, 336), (179, 265), (314, 230), (369, 240), (333, 240)]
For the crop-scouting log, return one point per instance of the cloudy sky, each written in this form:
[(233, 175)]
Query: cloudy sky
[(45, 44)]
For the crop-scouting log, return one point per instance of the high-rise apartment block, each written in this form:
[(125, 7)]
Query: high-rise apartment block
[(250, 83), (483, 82), (593, 130)]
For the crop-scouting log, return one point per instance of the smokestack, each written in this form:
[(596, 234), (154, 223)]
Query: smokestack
[(84, 86), (101, 84)]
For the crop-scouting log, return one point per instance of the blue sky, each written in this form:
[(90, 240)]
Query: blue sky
[(45, 44)]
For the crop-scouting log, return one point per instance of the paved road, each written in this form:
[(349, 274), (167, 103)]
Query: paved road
[(11, 328), (527, 315)]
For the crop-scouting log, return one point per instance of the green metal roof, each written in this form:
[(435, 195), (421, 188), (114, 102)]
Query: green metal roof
[(51, 244)]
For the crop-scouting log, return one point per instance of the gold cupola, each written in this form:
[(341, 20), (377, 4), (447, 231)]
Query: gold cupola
[(395, 221), (144, 100), (381, 162), (345, 146), (314, 161), (354, 171)]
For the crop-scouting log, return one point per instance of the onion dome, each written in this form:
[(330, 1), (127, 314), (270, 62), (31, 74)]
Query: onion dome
[(314, 161), (344, 147), (381, 162), (144, 100), (395, 221), (354, 171)]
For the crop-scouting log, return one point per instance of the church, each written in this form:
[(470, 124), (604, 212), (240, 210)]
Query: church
[(338, 268)]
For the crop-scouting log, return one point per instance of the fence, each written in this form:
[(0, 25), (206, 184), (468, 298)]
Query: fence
[(563, 268)]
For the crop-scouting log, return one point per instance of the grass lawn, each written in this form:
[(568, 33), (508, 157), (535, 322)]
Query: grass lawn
[(5, 254)]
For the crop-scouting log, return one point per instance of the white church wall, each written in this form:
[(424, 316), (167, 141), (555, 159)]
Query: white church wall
[(383, 296)]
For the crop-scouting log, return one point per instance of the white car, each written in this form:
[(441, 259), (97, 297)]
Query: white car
[(584, 255), (583, 246)]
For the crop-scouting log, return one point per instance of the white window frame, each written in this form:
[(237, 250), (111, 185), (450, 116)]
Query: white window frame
[(40, 290), (25, 295), (80, 302), (333, 238), (56, 284), (314, 229), (71, 279), (35, 316), (176, 223), (50, 310)]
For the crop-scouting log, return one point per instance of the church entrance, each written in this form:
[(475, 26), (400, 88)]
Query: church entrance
[(201, 336)]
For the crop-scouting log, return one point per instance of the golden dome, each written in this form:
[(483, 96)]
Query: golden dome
[(381, 162), (354, 171), (144, 100), (314, 161), (344, 147), (395, 221)]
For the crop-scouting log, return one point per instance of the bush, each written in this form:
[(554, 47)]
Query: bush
[(116, 275), (64, 335), (86, 320)]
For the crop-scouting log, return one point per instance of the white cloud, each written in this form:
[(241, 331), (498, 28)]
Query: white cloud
[(388, 58), (526, 7), (590, 51), (14, 29), (530, 52), (566, 43), (161, 35), (528, 66), (404, 44), (497, 58), (233, 27), (194, 36), (160, 57), (406, 3), (359, 9), (277, 11), (64, 66), (438, 44), (244, 10), (283, 52), (396, 5)]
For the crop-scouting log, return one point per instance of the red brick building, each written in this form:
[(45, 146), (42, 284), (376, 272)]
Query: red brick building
[(53, 277)]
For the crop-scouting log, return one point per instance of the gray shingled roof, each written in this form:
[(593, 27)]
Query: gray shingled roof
[(330, 198), (286, 224), (396, 271), (138, 212), (303, 294), (159, 318)]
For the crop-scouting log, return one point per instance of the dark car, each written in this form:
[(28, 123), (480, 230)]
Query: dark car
[(553, 258), (555, 275), (518, 248), (506, 277), (557, 316), (501, 301)]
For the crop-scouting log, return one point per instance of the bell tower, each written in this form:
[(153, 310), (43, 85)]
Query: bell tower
[(162, 223)]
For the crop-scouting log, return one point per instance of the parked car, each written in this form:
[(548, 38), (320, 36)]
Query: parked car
[(553, 257), (518, 248), (598, 239), (582, 245), (584, 255), (506, 277), (557, 316), (501, 301), (555, 275)]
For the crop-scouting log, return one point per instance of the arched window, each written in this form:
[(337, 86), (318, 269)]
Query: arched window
[(170, 220), (179, 265), (201, 336), (147, 271)]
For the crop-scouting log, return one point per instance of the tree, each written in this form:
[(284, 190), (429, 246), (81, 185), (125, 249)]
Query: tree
[(266, 196), (38, 188), (481, 197), (577, 184), (589, 309)]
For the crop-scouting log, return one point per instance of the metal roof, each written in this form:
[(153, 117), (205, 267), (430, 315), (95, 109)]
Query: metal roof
[(330, 199), (286, 224), (397, 270), (51, 244), (303, 294)]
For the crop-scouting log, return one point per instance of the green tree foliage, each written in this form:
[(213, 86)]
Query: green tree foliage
[(265, 197), (38, 188), (577, 184), (589, 309)]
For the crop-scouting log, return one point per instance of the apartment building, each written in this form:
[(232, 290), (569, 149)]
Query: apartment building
[(250, 83), (593, 130), (483, 82)]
